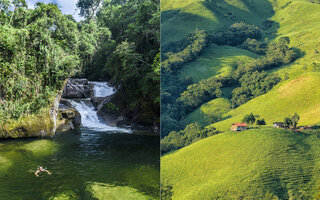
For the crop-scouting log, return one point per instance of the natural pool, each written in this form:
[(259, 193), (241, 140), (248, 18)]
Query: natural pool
[(85, 164)]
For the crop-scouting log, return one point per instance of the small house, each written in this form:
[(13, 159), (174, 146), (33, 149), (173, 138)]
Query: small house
[(239, 126), (278, 124)]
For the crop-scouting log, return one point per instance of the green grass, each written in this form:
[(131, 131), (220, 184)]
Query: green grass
[(300, 21), (202, 115), (300, 95), (215, 60), (245, 165), (181, 17)]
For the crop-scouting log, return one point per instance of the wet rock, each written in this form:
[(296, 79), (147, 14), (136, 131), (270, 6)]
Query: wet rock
[(76, 88), (68, 118), (96, 101)]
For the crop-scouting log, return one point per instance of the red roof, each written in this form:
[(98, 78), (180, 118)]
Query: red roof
[(240, 124)]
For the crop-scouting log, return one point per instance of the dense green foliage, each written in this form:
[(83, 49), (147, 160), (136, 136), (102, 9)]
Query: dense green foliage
[(236, 34), (292, 121), (249, 119), (260, 122), (195, 44), (171, 110), (40, 48), (192, 133), (128, 51), (201, 92), (254, 46), (38, 51), (277, 54), (253, 84)]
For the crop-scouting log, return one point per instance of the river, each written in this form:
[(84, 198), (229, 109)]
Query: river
[(96, 161)]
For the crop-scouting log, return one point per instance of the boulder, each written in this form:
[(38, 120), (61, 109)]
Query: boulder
[(68, 118), (96, 101), (76, 88)]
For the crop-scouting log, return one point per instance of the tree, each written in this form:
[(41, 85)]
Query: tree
[(294, 119), (261, 122), (287, 122), (249, 119), (88, 8)]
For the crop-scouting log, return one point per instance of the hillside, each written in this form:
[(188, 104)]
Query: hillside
[(245, 165), (255, 163), (181, 17), (215, 60), (297, 19), (300, 95)]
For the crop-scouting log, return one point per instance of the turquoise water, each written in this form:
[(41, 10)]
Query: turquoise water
[(85, 164)]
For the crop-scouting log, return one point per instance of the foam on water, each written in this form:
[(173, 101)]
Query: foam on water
[(89, 116), (101, 89)]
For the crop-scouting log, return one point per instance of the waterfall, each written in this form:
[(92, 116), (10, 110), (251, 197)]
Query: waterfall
[(101, 89), (89, 117)]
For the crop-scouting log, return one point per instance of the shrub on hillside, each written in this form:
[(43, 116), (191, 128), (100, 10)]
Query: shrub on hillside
[(236, 34), (277, 54), (192, 133), (196, 42), (254, 46), (201, 92)]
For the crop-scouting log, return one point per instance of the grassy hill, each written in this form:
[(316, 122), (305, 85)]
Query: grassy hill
[(297, 19), (215, 60), (249, 164), (181, 17), (300, 95), (245, 165)]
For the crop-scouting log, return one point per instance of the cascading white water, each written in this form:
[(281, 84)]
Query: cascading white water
[(89, 117), (101, 89)]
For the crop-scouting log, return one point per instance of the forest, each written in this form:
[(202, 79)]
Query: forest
[(117, 41)]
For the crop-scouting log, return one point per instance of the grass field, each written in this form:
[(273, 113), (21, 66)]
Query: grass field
[(181, 17), (215, 60), (300, 95), (245, 165), (249, 164), (202, 115)]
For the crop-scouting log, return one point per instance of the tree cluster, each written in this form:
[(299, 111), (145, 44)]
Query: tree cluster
[(192, 133), (249, 119), (253, 84), (236, 34), (171, 110), (291, 122), (278, 53), (196, 42), (201, 92)]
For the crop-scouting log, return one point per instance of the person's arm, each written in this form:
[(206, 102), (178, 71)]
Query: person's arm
[(36, 173), (47, 171)]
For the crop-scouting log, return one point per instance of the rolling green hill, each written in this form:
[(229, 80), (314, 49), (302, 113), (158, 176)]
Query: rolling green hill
[(300, 95), (245, 165), (181, 17), (297, 19), (250, 164), (215, 60)]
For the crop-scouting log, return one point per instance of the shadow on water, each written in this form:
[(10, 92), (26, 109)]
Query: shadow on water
[(79, 161)]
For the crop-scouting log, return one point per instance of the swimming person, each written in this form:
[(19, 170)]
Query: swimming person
[(40, 170)]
